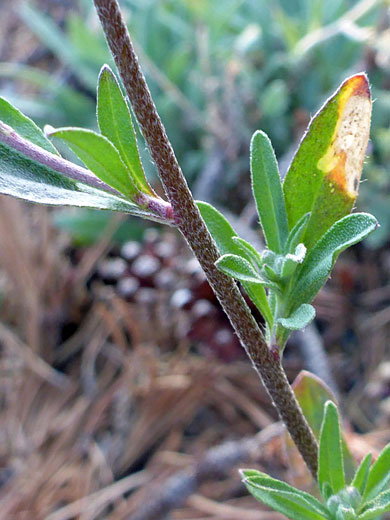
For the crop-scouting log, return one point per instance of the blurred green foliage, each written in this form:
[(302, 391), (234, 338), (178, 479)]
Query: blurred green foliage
[(86, 226), (220, 70)]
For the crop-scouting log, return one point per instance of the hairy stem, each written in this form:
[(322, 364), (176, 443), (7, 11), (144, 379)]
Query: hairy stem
[(194, 230), (9, 137)]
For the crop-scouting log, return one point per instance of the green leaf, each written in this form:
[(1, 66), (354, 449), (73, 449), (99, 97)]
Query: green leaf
[(223, 235), (100, 156), (268, 193), (379, 475), (327, 492), (296, 234), (300, 318), (115, 123), (248, 251), (271, 273), (360, 479), (24, 126), (376, 507), (324, 175), (240, 269), (291, 502), (330, 458), (220, 229), (29, 180), (320, 261)]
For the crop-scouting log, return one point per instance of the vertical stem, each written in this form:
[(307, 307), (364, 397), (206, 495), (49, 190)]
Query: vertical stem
[(194, 230)]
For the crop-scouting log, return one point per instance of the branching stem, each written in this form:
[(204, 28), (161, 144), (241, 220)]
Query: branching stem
[(159, 207), (9, 137), (195, 232)]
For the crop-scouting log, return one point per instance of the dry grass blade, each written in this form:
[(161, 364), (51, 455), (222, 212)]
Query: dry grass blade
[(96, 501)]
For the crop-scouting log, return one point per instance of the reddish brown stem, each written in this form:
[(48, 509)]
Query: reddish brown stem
[(194, 230)]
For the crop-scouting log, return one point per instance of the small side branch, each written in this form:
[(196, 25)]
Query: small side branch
[(9, 137)]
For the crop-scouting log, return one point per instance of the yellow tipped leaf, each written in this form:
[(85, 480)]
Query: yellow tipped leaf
[(324, 175)]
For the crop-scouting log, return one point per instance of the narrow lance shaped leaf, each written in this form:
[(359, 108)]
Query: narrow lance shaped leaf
[(320, 261), (312, 394), (291, 502), (114, 119), (100, 156), (240, 269), (376, 507), (324, 175), (330, 458), (24, 126), (268, 193), (248, 251), (360, 479), (223, 234), (379, 475)]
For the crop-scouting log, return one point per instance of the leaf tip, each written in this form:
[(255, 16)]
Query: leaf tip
[(105, 71), (343, 161), (48, 130), (259, 135), (358, 85), (246, 474), (242, 474)]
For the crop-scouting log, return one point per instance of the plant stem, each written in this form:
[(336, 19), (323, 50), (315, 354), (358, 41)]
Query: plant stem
[(188, 219), (159, 207), (9, 137)]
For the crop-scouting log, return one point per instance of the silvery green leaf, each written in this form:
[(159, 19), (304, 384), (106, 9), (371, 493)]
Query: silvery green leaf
[(330, 458), (296, 234), (360, 479), (291, 502), (239, 268), (318, 264), (268, 192), (299, 319), (379, 475), (248, 251), (291, 261), (376, 507), (223, 234)]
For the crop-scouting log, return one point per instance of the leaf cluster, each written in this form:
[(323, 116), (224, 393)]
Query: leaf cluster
[(305, 221), (365, 497)]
